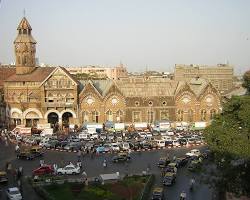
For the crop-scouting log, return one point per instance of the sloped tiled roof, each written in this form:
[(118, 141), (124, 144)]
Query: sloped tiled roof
[(147, 88), (38, 75), (5, 73), (102, 86), (69, 74)]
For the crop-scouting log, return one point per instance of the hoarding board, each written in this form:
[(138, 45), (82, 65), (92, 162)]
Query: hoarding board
[(119, 126)]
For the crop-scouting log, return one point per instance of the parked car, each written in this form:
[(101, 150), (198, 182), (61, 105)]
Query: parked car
[(100, 149), (157, 194), (26, 155), (180, 162), (121, 157), (69, 169), (169, 179), (171, 167), (3, 177), (182, 141), (115, 147), (43, 170), (125, 146), (194, 152), (73, 146), (194, 165), (13, 193)]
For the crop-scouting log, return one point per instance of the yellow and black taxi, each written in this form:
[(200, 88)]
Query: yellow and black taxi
[(171, 167), (163, 162), (157, 193), (169, 179)]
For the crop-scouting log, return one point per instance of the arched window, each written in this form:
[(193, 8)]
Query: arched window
[(119, 116), (50, 98), (109, 115), (150, 116), (95, 116), (85, 116), (22, 98), (164, 115), (212, 113), (203, 115), (18, 60), (180, 114), (190, 117), (70, 98), (25, 60)]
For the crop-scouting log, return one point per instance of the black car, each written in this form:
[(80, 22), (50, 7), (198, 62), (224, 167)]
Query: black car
[(181, 162), (29, 155), (121, 157), (182, 141), (146, 145)]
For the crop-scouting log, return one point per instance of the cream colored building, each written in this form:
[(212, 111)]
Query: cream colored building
[(113, 73), (221, 75)]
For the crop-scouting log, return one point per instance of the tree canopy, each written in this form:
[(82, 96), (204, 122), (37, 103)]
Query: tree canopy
[(228, 137), (246, 81), (230, 131)]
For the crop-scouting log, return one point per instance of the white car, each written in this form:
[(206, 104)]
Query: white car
[(194, 152), (14, 194), (69, 169), (115, 146)]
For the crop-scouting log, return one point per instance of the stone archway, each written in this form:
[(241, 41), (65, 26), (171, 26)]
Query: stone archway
[(31, 117), (53, 119), (16, 116), (66, 119)]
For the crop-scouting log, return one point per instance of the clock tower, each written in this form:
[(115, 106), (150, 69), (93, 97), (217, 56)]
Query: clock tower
[(25, 48)]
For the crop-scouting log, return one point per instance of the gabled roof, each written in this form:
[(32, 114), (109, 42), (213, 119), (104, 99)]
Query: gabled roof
[(38, 75), (86, 84), (62, 69), (198, 85)]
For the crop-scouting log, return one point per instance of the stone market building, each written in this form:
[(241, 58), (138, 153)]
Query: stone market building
[(41, 95)]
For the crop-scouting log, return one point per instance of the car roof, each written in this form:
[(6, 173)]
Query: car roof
[(158, 189), (2, 173), (169, 174), (172, 164), (13, 189)]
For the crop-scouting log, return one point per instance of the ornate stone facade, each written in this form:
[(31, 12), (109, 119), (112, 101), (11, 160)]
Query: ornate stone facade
[(42, 95)]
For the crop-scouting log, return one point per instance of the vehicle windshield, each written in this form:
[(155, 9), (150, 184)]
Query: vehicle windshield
[(14, 192)]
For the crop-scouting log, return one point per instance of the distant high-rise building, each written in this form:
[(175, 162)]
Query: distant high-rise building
[(221, 75)]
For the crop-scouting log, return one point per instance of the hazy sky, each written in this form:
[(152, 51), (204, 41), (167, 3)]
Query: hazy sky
[(152, 34)]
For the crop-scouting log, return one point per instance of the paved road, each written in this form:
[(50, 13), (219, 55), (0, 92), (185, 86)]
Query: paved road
[(7, 154), (140, 161)]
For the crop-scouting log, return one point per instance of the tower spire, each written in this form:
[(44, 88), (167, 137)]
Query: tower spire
[(25, 48)]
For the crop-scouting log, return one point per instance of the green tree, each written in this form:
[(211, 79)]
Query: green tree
[(228, 137), (246, 81)]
